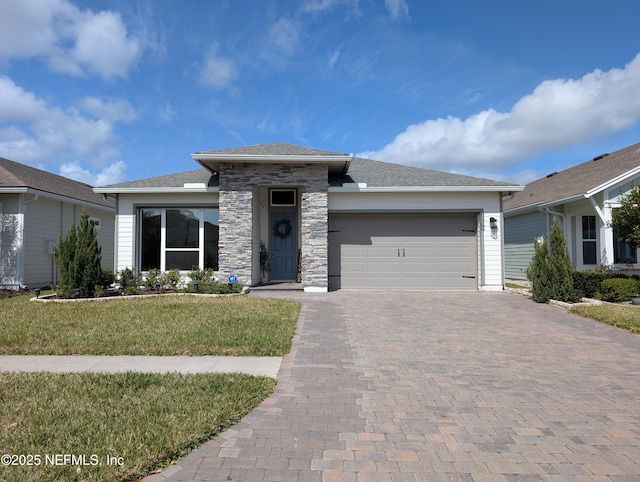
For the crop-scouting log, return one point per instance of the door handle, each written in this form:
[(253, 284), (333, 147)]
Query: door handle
[(398, 252), (403, 252)]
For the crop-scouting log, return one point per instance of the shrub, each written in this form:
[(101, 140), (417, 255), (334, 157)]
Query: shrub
[(152, 279), (618, 289), (78, 258), (587, 283), (206, 283), (129, 281), (550, 269), (171, 279)]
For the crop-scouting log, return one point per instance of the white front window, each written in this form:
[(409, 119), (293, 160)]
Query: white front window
[(178, 238)]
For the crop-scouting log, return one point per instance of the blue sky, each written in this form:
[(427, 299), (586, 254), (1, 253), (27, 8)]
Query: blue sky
[(108, 91)]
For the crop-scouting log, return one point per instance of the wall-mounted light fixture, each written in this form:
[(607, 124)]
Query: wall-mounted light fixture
[(493, 223)]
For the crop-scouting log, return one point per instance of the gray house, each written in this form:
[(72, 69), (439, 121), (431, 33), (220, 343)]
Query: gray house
[(582, 199), (35, 208), (329, 221)]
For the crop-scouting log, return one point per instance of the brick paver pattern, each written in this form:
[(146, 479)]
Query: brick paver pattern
[(415, 386)]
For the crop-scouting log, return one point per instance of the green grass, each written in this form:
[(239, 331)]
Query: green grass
[(147, 420), (627, 317), (163, 325)]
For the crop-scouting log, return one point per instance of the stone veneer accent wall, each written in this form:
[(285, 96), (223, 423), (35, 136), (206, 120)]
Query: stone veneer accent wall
[(236, 242)]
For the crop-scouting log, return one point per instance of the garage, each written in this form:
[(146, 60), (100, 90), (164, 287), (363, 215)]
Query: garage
[(403, 251)]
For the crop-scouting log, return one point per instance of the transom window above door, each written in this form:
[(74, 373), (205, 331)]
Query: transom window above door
[(282, 197)]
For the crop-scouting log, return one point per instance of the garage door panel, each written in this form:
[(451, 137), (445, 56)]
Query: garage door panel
[(456, 283), (420, 282), (422, 267), (395, 251)]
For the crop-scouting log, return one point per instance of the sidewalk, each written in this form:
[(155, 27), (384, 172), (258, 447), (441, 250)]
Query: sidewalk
[(260, 366)]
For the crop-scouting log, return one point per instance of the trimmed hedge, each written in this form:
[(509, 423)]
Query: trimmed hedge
[(588, 282), (618, 289)]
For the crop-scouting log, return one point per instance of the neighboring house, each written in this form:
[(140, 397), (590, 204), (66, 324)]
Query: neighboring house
[(581, 198), (35, 208), (329, 221)]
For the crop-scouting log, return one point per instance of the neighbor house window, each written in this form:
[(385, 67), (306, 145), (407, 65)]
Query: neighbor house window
[(178, 238), (622, 252), (589, 240)]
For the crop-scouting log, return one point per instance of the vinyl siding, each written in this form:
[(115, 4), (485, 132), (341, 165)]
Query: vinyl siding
[(45, 220), (519, 235)]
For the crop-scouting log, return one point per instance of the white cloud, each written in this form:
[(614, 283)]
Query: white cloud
[(557, 114), (71, 41), (334, 57), (284, 34), (217, 72), (397, 8), (323, 5), (37, 132), (114, 110), (112, 174)]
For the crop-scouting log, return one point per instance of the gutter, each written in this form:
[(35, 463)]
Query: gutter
[(400, 189), (146, 190)]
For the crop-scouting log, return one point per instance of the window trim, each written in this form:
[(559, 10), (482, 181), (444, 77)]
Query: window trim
[(584, 240), (163, 234), (282, 190)]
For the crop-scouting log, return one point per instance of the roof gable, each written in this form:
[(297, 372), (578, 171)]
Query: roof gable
[(274, 149), (577, 180), (16, 175), (374, 174)]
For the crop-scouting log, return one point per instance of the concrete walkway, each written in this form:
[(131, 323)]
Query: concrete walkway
[(264, 366), (438, 386)]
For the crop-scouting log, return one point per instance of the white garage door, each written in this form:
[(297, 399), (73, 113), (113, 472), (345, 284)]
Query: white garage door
[(403, 251)]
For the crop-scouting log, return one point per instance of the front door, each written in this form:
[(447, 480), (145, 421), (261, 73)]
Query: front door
[(284, 248)]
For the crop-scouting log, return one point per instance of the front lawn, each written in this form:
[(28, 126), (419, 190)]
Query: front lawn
[(84, 426), (114, 427), (163, 325), (627, 317)]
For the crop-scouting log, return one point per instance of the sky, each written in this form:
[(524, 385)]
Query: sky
[(109, 91)]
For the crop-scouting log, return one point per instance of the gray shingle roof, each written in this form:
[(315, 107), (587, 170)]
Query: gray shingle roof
[(373, 173), (171, 180), (274, 149), (16, 175), (386, 174), (576, 180)]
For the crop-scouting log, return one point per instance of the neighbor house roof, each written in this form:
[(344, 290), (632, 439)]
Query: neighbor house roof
[(578, 180), (16, 178), (366, 173)]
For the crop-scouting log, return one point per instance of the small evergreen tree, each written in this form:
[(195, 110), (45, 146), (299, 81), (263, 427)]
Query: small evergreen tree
[(538, 272), (79, 257), (550, 269), (561, 279), (626, 218)]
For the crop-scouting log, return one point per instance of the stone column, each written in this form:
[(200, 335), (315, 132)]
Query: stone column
[(235, 242)]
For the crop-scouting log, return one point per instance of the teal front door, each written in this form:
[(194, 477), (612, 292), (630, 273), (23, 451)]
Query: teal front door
[(284, 248)]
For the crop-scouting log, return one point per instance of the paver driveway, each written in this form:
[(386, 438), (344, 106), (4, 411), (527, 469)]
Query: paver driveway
[(438, 386)]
